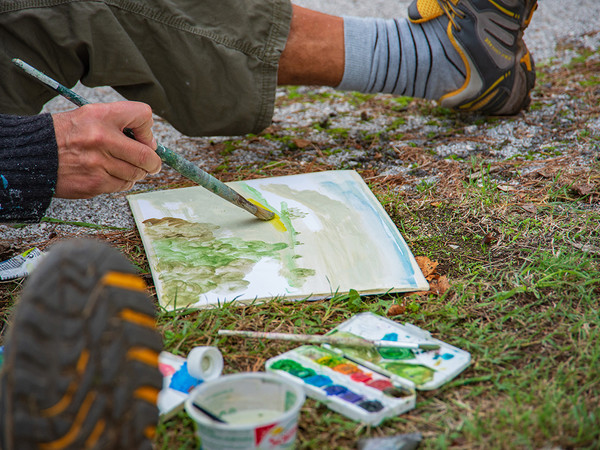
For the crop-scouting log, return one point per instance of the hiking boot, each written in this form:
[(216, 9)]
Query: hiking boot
[(81, 356), (488, 35)]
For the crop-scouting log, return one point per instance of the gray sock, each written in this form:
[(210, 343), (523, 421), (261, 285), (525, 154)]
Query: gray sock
[(399, 57)]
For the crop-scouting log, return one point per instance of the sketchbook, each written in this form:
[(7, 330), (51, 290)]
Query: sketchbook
[(331, 235)]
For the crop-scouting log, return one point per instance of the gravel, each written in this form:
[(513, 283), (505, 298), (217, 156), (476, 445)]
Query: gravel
[(554, 23)]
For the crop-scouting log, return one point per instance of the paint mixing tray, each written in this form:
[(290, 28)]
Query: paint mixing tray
[(406, 370), (342, 385), (425, 370)]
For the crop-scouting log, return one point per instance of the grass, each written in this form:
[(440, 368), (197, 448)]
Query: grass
[(525, 307), (518, 239)]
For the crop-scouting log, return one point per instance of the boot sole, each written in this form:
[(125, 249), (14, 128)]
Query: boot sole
[(81, 357)]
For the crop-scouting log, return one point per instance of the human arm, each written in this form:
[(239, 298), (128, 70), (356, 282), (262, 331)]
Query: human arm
[(75, 154)]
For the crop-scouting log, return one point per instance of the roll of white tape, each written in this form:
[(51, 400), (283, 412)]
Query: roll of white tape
[(205, 363)]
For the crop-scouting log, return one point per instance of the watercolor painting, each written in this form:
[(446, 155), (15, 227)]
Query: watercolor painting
[(330, 235)]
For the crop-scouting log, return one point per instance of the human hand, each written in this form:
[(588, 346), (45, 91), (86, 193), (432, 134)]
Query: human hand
[(95, 157)]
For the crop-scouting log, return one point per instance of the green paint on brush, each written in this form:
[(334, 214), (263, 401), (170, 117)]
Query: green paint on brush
[(365, 353)]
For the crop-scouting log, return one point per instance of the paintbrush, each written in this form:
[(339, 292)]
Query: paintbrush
[(169, 157), (332, 340), (205, 411)]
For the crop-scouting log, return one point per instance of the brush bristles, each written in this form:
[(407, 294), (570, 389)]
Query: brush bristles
[(264, 214)]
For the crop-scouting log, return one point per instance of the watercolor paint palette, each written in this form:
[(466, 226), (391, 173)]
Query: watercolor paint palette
[(369, 384), (343, 385), (204, 252), (423, 370)]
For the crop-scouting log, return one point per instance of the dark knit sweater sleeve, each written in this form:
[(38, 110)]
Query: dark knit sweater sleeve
[(28, 167)]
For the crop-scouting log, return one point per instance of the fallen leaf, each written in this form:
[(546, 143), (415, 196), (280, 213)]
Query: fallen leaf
[(583, 189), (301, 143), (426, 265), (530, 207), (490, 238), (396, 310), (419, 293), (219, 147), (587, 248), (475, 175), (546, 173), (439, 285), (8, 250)]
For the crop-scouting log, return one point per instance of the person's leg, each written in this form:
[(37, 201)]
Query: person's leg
[(314, 51), (80, 363), (370, 55), (212, 67), (469, 54)]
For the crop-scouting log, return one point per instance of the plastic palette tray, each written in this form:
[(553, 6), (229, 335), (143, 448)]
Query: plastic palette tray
[(406, 369), (343, 385)]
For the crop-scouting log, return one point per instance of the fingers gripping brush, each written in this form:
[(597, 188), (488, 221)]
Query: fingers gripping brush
[(169, 157)]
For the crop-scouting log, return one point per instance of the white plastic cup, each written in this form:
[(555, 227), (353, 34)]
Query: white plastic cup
[(261, 409)]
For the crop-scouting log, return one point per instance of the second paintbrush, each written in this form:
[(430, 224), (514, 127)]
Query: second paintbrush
[(332, 340), (169, 157)]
